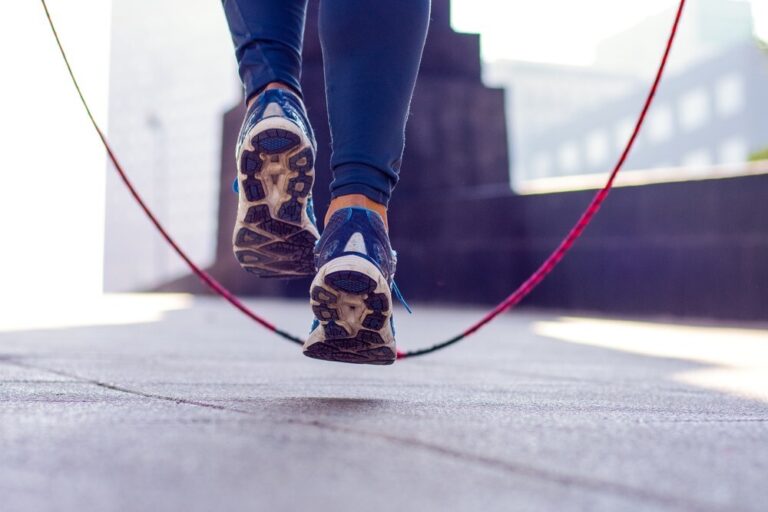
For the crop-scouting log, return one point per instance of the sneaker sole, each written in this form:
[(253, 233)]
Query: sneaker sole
[(273, 235), (353, 303)]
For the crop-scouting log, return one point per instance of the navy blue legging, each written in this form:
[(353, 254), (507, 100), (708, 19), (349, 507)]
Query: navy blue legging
[(371, 53)]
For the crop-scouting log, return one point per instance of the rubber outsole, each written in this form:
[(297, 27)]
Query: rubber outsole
[(354, 311), (273, 236)]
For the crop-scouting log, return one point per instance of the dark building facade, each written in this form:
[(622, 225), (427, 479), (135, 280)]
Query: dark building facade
[(690, 249)]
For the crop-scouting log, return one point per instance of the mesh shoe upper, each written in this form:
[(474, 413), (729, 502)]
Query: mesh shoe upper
[(357, 231), (276, 102)]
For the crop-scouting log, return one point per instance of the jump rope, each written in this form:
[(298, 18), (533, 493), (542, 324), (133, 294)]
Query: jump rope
[(511, 301)]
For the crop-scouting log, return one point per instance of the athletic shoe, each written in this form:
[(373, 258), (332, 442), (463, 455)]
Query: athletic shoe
[(275, 230), (351, 295)]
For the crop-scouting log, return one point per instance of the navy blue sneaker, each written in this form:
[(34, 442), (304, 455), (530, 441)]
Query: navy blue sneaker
[(275, 230), (351, 295)]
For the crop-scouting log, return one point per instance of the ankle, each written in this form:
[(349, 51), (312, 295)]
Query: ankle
[(359, 201), (269, 87)]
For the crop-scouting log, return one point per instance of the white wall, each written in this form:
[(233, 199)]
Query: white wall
[(173, 75), (51, 163)]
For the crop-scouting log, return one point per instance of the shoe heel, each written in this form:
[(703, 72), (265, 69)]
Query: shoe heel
[(273, 235), (353, 303)]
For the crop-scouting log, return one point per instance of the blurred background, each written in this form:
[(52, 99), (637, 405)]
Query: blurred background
[(634, 378), (521, 108)]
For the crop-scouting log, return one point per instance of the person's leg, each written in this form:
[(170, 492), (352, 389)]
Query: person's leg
[(268, 37), (371, 51), (275, 230)]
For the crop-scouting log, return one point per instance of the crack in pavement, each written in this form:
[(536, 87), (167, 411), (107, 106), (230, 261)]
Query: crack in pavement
[(712, 420), (593, 484)]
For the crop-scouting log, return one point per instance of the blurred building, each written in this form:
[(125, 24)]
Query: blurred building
[(172, 76), (713, 112), (568, 120), (708, 28), (541, 96)]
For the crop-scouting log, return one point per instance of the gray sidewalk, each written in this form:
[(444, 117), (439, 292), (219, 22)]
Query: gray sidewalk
[(201, 410)]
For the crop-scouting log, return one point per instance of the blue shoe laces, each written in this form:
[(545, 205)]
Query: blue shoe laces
[(399, 297)]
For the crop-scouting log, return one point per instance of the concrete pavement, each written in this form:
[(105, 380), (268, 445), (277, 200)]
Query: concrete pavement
[(166, 403)]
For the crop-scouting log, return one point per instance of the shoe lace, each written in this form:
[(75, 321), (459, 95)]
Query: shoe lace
[(399, 297)]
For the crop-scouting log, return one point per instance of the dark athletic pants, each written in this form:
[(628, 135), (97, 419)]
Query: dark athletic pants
[(371, 53)]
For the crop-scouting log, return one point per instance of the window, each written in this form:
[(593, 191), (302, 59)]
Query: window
[(694, 109), (697, 158), (541, 166), (729, 94), (597, 147), (660, 124), (733, 150), (568, 158), (623, 131)]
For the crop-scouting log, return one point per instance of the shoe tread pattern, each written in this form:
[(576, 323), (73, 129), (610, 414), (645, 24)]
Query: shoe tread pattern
[(357, 290), (267, 244)]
